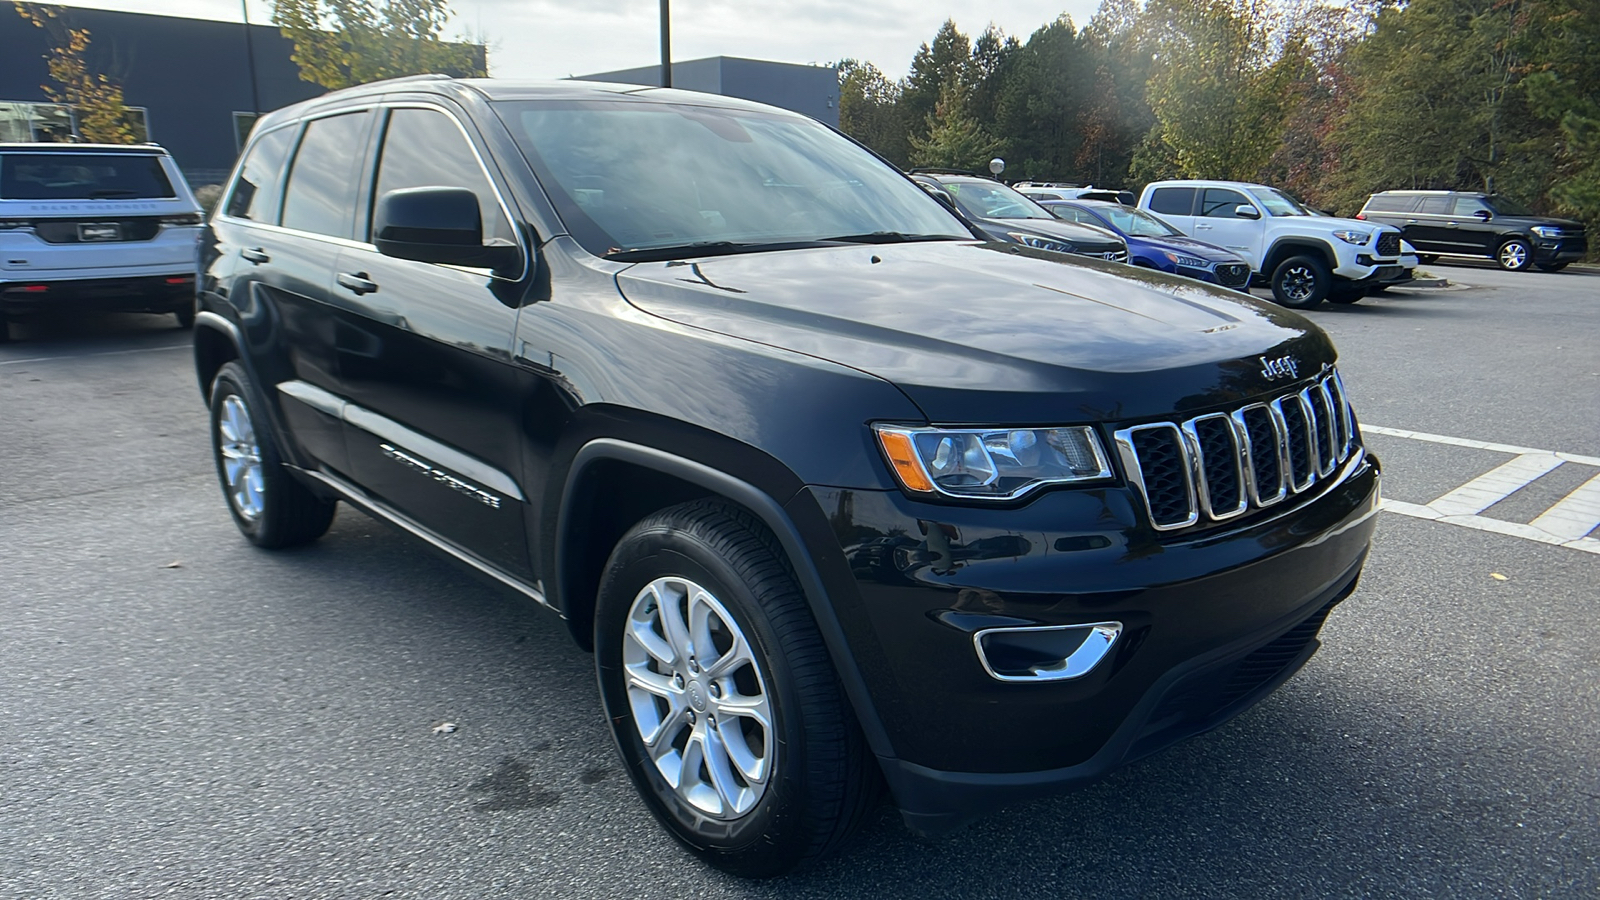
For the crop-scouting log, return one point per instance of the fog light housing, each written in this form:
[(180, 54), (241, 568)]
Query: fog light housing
[(1045, 652)]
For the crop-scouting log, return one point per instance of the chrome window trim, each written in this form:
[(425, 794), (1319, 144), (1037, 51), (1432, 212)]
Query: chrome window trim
[(1079, 663), (1130, 461), (1191, 431), (483, 166), (220, 211)]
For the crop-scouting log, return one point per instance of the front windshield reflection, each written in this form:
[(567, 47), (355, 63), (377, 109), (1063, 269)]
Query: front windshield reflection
[(1278, 203), (1136, 222), (986, 200), (629, 176)]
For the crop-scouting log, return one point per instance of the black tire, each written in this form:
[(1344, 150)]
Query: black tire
[(284, 512), (820, 780), (1515, 255), (5, 330), (1347, 299), (1301, 282), (1551, 267), (185, 315)]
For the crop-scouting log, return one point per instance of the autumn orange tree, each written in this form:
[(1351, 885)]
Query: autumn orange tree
[(96, 99)]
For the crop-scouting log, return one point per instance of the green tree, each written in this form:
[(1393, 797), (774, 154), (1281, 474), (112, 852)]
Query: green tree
[(1563, 87), (339, 43), (955, 139), (1218, 87), (1048, 88), (96, 99), (948, 59), (869, 110)]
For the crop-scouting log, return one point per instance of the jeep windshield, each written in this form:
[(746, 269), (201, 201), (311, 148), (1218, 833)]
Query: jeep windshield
[(1278, 203), (635, 181), (82, 176)]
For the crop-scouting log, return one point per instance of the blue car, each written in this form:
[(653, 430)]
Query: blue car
[(1154, 244)]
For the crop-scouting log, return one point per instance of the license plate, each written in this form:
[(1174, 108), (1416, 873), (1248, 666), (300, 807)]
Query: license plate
[(100, 232)]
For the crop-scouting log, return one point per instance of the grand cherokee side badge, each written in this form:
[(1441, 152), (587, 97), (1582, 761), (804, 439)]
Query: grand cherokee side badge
[(422, 467), (1282, 367)]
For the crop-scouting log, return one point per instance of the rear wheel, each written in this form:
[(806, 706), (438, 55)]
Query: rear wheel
[(1514, 255), (270, 507), (721, 696), (1301, 282)]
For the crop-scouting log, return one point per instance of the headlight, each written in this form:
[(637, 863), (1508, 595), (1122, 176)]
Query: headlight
[(1353, 237), (1190, 261), (1546, 231), (1039, 243), (991, 463)]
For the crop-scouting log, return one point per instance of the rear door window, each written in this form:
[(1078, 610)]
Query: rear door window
[(255, 194), (1436, 206), (83, 176), (321, 197), (1217, 203), (1173, 201)]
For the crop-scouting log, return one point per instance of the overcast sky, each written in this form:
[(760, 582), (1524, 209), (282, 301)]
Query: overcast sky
[(554, 39)]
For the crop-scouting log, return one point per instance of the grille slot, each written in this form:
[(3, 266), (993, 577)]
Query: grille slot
[(1233, 275), (1388, 244), (1222, 464)]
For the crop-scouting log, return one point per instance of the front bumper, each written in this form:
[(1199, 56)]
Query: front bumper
[(144, 293), (1554, 251), (1212, 621)]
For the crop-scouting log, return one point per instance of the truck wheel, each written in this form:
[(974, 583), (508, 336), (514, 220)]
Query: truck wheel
[(1514, 255), (722, 700), (270, 507), (1301, 282)]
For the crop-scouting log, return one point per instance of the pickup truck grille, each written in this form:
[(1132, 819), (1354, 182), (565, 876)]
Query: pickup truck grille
[(1215, 467), (1389, 244)]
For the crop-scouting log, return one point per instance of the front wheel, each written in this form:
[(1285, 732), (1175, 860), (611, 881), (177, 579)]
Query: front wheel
[(721, 696), (1301, 282), (270, 507), (1514, 255)]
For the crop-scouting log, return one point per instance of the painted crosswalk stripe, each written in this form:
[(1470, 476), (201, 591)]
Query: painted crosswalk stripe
[(1476, 445), (1576, 515), (1496, 484)]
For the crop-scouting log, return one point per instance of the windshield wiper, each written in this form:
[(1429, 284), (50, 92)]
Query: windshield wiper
[(890, 237), (705, 248)]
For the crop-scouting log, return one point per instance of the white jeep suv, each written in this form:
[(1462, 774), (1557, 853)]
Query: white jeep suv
[(95, 226), (1306, 258)]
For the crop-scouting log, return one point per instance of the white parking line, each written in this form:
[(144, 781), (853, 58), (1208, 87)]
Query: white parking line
[(34, 359), (1566, 524)]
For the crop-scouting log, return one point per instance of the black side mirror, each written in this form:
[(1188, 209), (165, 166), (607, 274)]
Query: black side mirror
[(440, 225), (1246, 211), (1483, 214)]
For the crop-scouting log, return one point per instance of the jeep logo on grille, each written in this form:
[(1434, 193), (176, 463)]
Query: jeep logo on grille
[(1282, 367)]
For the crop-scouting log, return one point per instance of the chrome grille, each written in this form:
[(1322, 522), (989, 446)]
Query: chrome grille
[(1221, 465)]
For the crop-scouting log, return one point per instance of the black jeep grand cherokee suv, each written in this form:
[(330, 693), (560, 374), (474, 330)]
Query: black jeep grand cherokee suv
[(839, 495)]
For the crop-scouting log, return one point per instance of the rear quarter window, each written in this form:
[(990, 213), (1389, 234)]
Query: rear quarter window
[(83, 176), (1173, 201), (1391, 203), (256, 191)]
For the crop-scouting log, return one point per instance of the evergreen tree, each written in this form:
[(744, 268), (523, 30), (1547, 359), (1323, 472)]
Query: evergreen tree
[(955, 139)]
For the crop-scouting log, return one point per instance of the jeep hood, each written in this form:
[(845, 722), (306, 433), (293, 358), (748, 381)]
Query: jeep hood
[(993, 332)]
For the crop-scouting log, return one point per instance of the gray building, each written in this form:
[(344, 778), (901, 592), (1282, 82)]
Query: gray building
[(811, 90)]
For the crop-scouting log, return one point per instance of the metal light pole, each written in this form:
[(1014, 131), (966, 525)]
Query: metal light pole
[(250, 58), (666, 46)]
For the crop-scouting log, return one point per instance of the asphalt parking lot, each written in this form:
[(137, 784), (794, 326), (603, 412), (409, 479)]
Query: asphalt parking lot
[(185, 716)]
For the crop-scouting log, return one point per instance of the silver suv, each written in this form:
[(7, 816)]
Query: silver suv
[(95, 226)]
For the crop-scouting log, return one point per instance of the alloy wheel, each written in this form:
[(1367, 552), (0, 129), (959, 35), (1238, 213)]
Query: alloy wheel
[(241, 458), (699, 698), (1514, 255), (1299, 283)]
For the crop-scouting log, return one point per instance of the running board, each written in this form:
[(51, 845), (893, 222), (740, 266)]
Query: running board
[(377, 508)]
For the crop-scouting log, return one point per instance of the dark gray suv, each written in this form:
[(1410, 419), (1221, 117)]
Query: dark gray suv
[(1486, 226)]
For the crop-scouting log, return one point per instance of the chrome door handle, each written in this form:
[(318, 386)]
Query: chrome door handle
[(256, 255), (1452, 225), (357, 283)]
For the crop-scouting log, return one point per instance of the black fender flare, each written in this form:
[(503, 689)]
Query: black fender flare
[(771, 514), (1285, 247)]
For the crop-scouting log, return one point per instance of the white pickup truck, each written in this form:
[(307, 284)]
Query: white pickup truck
[(1306, 258)]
